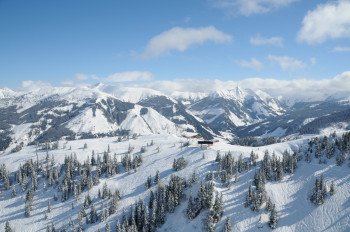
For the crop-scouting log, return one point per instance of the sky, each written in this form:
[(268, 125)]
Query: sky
[(83, 41)]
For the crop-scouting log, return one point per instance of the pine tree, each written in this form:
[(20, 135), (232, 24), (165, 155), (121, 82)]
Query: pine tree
[(148, 183), (48, 206), (190, 207), (119, 227), (13, 193), (145, 220), (269, 204), (218, 208), (157, 178), (332, 189), (104, 191), (7, 181), (93, 214), (210, 225), (27, 210), (227, 226), (273, 217), (81, 215), (8, 227), (107, 228), (113, 205)]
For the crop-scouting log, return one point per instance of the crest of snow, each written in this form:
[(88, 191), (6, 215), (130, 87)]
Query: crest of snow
[(232, 94), (149, 123), (214, 112), (259, 109), (20, 132), (267, 99), (70, 94), (308, 120), (338, 127), (236, 120), (191, 96), (278, 132), (129, 94), (86, 122), (7, 93)]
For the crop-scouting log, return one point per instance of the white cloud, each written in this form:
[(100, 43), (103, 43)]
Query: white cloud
[(286, 62), (81, 77), (259, 40), (341, 49), (294, 89), (252, 63), (327, 21), (129, 76), (302, 89), (250, 7), (29, 85), (313, 60), (180, 39)]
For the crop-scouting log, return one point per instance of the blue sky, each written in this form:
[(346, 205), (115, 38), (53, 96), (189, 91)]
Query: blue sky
[(65, 42)]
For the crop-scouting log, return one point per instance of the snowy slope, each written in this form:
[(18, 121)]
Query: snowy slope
[(147, 122), (295, 211), (89, 122), (128, 94)]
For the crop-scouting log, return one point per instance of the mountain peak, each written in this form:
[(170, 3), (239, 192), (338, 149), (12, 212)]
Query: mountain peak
[(232, 94)]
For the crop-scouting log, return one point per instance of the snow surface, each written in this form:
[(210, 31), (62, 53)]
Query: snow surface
[(295, 211), (87, 122)]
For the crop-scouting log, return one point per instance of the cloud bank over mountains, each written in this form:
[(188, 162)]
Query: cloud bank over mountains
[(288, 90)]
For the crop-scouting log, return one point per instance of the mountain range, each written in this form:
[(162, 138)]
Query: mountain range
[(52, 113)]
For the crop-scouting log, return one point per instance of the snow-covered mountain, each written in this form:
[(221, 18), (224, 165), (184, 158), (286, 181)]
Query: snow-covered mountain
[(227, 109), (87, 158), (50, 113), (53, 113)]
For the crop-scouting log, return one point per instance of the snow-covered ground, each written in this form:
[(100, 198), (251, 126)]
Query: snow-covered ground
[(295, 211)]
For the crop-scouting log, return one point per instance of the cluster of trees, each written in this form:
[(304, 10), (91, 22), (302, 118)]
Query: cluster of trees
[(319, 192), (229, 167), (179, 163), (329, 147), (206, 199), (70, 178), (255, 141), (149, 181), (148, 216), (131, 162), (271, 169)]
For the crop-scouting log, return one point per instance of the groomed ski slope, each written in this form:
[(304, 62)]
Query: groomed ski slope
[(295, 211)]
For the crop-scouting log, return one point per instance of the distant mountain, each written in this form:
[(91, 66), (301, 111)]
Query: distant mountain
[(302, 118), (227, 109), (50, 113), (53, 113), (179, 114)]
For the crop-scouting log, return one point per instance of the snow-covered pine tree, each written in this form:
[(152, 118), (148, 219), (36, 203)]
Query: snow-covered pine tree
[(209, 223), (273, 217), (157, 178), (148, 183), (14, 192), (107, 228), (218, 208), (227, 226), (93, 214), (48, 206), (8, 227), (332, 189)]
